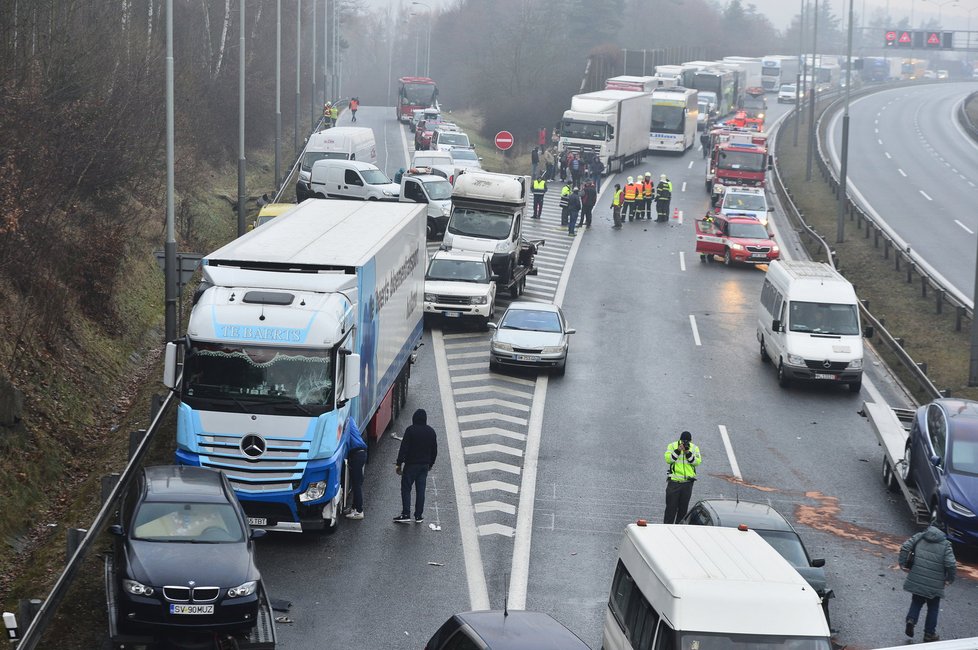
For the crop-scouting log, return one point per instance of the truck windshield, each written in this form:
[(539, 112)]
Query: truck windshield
[(823, 318), (440, 190), (310, 157), (258, 379), (583, 130), (704, 640), (668, 118), (375, 177), (456, 139), (480, 223), (458, 271), (744, 161)]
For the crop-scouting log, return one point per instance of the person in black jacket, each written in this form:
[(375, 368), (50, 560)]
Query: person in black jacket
[(417, 454)]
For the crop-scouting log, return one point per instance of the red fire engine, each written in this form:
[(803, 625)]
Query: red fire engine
[(738, 157)]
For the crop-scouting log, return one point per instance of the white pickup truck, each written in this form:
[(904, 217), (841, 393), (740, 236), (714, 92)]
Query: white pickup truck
[(460, 285)]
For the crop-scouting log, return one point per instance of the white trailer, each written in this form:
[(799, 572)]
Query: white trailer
[(674, 116), (778, 69), (752, 65), (612, 124)]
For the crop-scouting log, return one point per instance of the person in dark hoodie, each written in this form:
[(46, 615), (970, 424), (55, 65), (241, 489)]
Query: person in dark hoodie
[(414, 459), (932, 568)]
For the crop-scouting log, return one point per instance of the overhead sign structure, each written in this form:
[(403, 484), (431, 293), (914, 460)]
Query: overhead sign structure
[(905, 39), (918, 39), (504, 140)]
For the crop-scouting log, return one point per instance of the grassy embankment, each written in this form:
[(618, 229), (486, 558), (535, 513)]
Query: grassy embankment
[(927, 336)]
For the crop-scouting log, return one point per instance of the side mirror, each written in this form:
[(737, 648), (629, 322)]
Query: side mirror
[(170, 366), (491, 326), (611, 133), (775, 325), (351, 379), (494, 277), (258, 533), (935, 461), (818, 563), (117, 530), (570, 330), (869, 331), (770, 162)]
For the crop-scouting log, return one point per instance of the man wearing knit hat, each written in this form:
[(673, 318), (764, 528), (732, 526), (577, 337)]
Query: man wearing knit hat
[(682, 457)]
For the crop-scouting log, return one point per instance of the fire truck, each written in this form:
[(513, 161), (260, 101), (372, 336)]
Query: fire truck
[(738, 157)]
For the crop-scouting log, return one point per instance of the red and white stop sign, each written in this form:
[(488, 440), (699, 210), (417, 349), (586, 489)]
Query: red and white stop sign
[(504, 140)]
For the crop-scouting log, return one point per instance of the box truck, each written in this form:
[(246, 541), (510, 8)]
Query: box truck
[(612, 124)]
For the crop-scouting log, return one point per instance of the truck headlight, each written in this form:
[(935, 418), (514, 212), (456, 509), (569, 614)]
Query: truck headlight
[(502, 347), (958, 509), (478, 300), (246, 589), (856, 364), (137, 588), (795, 360), (430, 297), (314, 491), (502, 246)]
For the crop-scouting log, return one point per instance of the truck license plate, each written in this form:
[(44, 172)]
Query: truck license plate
[(819, 375), (257, 521), (452, 314), (191, 609), (526, 357)]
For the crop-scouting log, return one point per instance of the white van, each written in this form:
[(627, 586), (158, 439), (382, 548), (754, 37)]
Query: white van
[(808, 324), (447, 139), (351, 179), (705, 586), (338, 143)]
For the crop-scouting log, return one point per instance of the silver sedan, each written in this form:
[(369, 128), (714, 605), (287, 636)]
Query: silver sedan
[(530, 335)]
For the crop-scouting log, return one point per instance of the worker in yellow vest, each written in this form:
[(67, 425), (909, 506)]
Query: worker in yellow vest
[(648, 191), (616, 202), (631, 194)]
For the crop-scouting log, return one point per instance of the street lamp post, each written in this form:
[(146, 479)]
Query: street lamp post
[(840, 233), (811, 91), (427, 47), (801, 59)]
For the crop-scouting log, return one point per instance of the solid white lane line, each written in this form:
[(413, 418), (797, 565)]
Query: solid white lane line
[(682, 261), (474, 571), (966, 228), (696, 332), (902, 173), (734, 467), (924, 194)]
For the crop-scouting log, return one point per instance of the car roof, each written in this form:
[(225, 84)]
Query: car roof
[(519, 629), (455, 254), (731, 513), (175, 482), (533, 306), (962, 417)]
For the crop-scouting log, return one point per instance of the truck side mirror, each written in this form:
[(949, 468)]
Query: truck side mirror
[(170, 366), (869, 331), (770, 162), (818, 563), (611, 133), (351, 381), (775, 325)]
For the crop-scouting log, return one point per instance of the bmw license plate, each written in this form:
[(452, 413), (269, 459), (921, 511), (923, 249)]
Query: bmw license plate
[(527, 357), (257, 521), (191, 609), (819, 375), (452, 314)]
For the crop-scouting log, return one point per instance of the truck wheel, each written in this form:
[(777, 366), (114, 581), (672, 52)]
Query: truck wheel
[(889, 480), (783, 380), (765, 357)]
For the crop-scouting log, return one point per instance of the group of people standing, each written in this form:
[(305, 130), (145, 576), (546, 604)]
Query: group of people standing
[(634, 201)]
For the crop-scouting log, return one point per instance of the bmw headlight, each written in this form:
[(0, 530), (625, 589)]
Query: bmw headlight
[(478, 300), (795, 360), (246, 589), (430, 297), (553, 349), (502, 347), (136, 588), (958, 509), (314, 491), (856, 364)]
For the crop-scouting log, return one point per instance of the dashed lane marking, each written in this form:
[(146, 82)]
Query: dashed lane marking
[(734, 467), (682, 261), (966, 228), (696, 332), (902, 173), (924, 194)]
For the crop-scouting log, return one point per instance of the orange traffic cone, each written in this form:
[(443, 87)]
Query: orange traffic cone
[(675, 214)]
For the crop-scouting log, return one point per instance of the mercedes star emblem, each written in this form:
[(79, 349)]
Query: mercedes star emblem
[(826, 364), (253, 445)]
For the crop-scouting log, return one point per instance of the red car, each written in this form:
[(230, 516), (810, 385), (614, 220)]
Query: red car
[(739, 239)]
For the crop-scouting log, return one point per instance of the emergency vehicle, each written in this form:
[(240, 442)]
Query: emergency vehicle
[(738, 157), (755, 104), (737, 239), (743, 202)]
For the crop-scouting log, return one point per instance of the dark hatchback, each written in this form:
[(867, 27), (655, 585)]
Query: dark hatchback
[(184, 555), (773, 528), (496, 630)]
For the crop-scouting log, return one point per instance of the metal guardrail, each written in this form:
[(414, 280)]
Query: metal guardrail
[(865, 222)]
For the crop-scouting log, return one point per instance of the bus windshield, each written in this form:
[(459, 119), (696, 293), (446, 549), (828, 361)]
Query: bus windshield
[(419, 94), (480, 223), (745, 161), (668, 118), (583, 130), (258, 379), (710, 641)]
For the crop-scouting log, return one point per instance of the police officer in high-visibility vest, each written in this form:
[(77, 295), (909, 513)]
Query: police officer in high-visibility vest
[(663, 196), (539, 191), (631, 194), (648, 191), (565, 193), (616, 201), (683, 457)]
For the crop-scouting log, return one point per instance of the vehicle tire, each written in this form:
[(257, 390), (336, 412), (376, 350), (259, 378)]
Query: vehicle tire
[(562, 368), (889, 479), (855, 386), (765, 357), (783, 380), (904, 468), (493, 366), (514, 290), (727, 259)]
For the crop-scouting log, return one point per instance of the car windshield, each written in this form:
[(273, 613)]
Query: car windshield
[(464, 154), (744, 202), (788, 89), (214, 523), (375, 177), (258, 379), (823, 318), (583, 130), (531, 319), (480, 223), (454, 139), (440, 190), (748, 231), (709, 641), (964, 456), (787, 544), (310, 157), (458, 271), (745, 161)]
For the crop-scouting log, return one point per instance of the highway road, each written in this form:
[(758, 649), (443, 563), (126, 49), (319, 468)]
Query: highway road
[(912, 162), (537, 476)]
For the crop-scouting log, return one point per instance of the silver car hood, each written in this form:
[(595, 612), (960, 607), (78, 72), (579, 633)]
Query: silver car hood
[(527, 339)]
